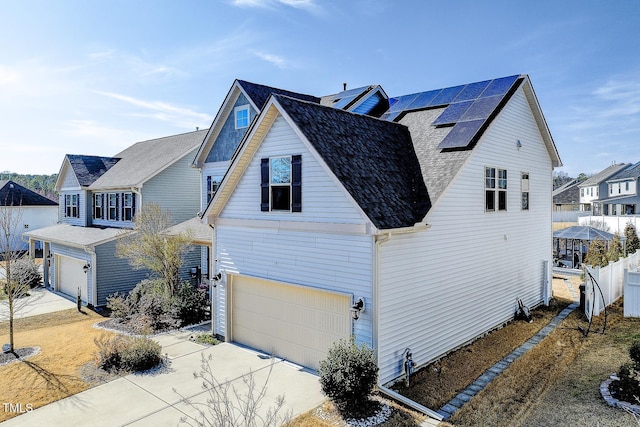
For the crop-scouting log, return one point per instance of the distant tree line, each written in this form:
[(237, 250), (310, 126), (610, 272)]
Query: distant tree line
[(41, 184), (560, 178)]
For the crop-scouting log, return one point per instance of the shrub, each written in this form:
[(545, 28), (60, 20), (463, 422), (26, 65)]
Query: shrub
[(627, 386), (25, 271), (189, 304), (205, 339), (634, 353), (348, 376), (127, 354), (119, 306)]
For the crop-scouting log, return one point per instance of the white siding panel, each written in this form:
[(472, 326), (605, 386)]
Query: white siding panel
[(324, 261), (176, 189), (445, 286), (322, 199)]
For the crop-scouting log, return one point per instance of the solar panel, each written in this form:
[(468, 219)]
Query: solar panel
[(472, 91), (402, 102), (453, 113), (447, 95), (424, 99), (461, 134), (499, 86), (482, 108)]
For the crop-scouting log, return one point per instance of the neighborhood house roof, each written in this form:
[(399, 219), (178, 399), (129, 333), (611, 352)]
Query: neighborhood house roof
[(260, 93), (145, 159), (603, 175), (630, 172), (71, 235), (13, 194), (88, 169), (567, 194)]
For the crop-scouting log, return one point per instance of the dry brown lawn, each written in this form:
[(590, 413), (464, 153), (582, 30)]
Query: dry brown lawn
[(66, 343)]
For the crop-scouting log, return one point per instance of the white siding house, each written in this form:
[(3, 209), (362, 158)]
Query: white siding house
[(437, 223)]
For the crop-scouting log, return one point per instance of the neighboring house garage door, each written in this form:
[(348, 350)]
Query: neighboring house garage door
[(292, 322), (70, 276)]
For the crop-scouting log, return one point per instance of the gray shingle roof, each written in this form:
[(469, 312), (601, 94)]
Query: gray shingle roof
[(13, 194), (603, 175), (373, 159), (88, 169), (67, 234), (260, 93), (631, 171), (567, 194), (145, 159)]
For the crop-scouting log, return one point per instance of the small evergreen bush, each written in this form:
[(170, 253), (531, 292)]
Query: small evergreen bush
[(119, 306), (124, 354), (627, 386), (189, 304), (348, 376)]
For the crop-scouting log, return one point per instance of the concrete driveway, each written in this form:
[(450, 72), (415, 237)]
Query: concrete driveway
[(39, 301), (150, 399)]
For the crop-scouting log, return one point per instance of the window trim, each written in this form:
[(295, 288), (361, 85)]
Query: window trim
[(115, 216), (525, 200), (72, 205), (495, 189), (98, 203), (213, 183), (128, 207), (236, 113)]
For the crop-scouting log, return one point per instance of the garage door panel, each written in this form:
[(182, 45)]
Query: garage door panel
[(293, 322), (70, 275)]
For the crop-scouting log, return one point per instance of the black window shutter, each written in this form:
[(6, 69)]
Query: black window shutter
[(133, 205), (209, 193), (264, 185), (296, 183)]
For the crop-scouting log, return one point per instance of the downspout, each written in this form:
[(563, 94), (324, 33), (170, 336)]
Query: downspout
[(213, 280), (94, 275), (380, 239)]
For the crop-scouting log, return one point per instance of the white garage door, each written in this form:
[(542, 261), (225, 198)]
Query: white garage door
[(70, 276), (292, 322)]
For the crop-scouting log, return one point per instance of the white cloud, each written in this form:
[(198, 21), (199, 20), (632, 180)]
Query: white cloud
[(162, 111), (276, 60), (308, 5)]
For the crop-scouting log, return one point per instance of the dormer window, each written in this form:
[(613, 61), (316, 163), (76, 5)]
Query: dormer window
[(72, 205), (242, 116)]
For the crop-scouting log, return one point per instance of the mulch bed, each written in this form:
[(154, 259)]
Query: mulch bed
[(18, 355)]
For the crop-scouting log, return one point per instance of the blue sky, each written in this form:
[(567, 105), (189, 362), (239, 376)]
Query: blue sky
[(93, 77)]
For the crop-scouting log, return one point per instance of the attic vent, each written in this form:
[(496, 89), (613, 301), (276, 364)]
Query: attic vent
[(11, 185)]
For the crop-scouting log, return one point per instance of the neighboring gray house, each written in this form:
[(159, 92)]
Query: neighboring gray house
[(413, 221), (594, 189), (567, 197), (99, 197), (28, 209), (622, 197)]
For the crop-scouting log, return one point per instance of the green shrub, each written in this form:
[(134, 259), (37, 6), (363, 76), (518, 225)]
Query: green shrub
[(127, 354), (205, 339), (348, 376), (119, 306), (634, 353), (189, 304)]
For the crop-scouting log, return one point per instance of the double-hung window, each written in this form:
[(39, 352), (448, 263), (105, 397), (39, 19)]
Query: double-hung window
[(98, 207), (112, 211), (127, 206), (489, 189), (281, 184), (495, 187), (72, 205), (502, 190), (212, 186), (241, 116)]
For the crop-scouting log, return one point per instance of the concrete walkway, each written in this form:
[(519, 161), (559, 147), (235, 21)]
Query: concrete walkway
[(40, 301), (151, 400), (483, 380)]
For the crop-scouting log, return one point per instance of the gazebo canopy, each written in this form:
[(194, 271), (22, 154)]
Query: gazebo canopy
[(582, 232)]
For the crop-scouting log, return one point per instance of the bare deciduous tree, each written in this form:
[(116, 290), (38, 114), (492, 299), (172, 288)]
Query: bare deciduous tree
[(20, 272), (150, 247), (228, 406)]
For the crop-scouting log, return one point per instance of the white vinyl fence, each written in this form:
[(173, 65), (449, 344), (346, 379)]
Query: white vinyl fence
[(632, 293), (609, 283)]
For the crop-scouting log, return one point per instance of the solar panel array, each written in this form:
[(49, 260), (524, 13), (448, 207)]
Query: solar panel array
[(467, 107)]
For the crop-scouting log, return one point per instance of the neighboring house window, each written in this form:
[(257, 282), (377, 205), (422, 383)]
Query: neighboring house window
[(113, 207), (610, 188), (242, 116), (281, 184), (98, 206), (597, 191), (626, 186), (128, 206), (582, 192), (525, 191), (490, 189), (212, 186), (72, 205), (502, 190)]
